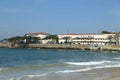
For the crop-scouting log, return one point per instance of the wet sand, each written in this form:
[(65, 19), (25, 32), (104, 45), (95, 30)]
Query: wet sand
[(103, 74), (97, 74)]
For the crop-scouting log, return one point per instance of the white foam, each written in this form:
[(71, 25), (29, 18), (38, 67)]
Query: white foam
[(71, 71), (15, 79), (117, 58), (29, 76), (88, 68), (88, 63), (37, 75), (1, 69)]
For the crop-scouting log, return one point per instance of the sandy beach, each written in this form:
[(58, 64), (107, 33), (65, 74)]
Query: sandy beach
[(102, 74), (97, 74)]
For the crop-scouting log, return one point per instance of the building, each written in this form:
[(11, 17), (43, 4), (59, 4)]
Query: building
[(88, 39), (40, 35), (82, 39)]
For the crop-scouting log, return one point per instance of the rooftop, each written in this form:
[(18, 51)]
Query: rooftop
[(87, 33), (36, 33)]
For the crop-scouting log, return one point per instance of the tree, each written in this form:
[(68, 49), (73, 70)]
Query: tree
[(67, 38), (30, 39), (110, 37), (117, 38), (14, 39), (105, 32), (20, 39), (54, 37)]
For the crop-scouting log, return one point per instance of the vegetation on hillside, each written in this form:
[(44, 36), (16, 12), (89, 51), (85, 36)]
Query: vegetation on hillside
[(54, 37)]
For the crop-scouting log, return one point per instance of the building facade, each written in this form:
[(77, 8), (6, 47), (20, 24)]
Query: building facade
[(82, 39), (88, 39)]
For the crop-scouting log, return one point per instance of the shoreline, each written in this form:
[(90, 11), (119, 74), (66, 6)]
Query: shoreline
[(101, 48), (95, 74)]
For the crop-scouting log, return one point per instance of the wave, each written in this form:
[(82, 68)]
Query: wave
[(70, 71), (86, 66), (88, 63), (88, 69), (76, 67), (2, 69), (29, 76), (37, 75), (117, 58)]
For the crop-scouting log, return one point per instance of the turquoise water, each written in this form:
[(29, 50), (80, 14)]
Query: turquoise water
[(51, 64)]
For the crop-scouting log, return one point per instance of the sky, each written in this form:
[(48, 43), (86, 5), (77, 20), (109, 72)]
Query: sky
[(18, 17)]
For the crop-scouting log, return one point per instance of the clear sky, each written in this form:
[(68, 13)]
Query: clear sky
[(18, 17)]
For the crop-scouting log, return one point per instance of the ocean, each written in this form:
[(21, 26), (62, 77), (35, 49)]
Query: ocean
[(53, 64)]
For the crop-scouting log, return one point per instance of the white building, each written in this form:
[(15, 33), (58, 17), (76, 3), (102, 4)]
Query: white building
[(48, 41), (40, 35), (84, 39)]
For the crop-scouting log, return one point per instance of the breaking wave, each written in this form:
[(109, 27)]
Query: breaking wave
[(87, 66), (29, 76), (88, 63), (117, 58), (87, 69), (2, 69)]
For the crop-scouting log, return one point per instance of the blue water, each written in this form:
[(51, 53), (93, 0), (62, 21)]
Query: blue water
[(30, 64)]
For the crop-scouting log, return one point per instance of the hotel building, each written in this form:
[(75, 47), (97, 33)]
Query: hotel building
[(88, 39)]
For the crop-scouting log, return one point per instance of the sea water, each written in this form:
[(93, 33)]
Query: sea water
[(52, 64)]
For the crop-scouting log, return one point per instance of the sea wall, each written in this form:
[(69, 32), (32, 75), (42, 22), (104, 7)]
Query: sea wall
[(75, 46), (111, 48), (5, 45), (62, 46), (9, 45)]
